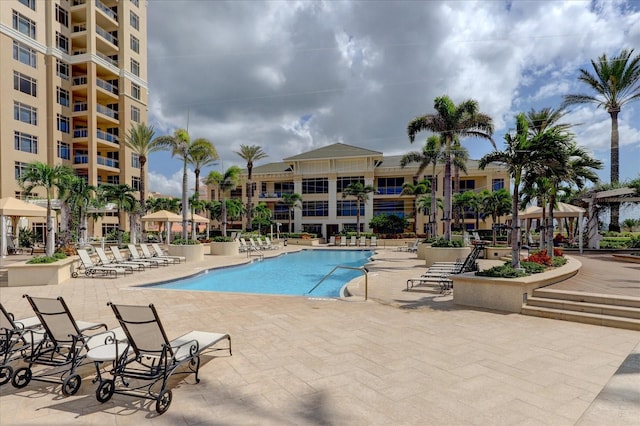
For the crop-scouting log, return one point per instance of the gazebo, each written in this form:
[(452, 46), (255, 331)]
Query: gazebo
[(11, 207)]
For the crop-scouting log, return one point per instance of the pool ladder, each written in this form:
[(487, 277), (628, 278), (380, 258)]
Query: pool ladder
[(258, 254), (362, 269)]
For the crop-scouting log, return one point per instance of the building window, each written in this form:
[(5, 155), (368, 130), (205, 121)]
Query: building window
[(134, 21), (24, 83), (135, 114), (135, 91), (315, 208), (113, 180), (135, 183), (31, 4), (62, 42), (497, 184), (349, 208), (467, 185), (135, 3), (395, 208), (135, 160), (24, 54), (344, 181), (20, 168), (315, 186), (64, 150), (135, 44), (25, 113), (135, 67), (63, 123), (62, 69), (109, 229), (390, 185), (25, 142), (283, 188), (63, 97), (62, 16), (24, 25)]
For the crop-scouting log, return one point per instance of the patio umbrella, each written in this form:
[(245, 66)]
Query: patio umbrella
[(162, 216), (12, 207)]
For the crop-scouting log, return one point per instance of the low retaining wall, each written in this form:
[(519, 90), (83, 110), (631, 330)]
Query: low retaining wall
[(23, 274), (496, 253), (225, 248), (506, 294), (193, 253)]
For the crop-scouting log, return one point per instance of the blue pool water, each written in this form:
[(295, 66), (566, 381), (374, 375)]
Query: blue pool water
[(289, 274)]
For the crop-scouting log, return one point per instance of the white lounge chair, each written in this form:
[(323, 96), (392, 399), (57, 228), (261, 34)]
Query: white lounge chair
[(363, 241), (373, 242), (343, 241), (117, 254), (154, 357), (156, 247), (353, 242), (332, 240), (135, 255), (252, 245), (105, 261), (91, 269), (243, 245), (148, 255), (272, 245)]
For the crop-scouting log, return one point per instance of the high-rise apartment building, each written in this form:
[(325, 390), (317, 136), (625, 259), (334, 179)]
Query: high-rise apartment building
[(73, 80)]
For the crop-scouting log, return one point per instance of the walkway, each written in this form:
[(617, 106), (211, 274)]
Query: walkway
[(399, 358)]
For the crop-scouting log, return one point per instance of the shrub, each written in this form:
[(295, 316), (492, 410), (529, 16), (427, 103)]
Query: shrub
[(540, 257), (441, 242), (532, 267), (503, 271), (221, 239), (635, 242), (557, 251), (46, 259), (558, 261), (183, 242)]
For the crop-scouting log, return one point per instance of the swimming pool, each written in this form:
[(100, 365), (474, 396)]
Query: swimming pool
[(289, 274)]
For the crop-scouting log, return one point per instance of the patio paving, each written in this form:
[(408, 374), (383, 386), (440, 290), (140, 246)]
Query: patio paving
[(398, 358)]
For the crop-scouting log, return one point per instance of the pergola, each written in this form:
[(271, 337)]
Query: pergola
[(619, 195)]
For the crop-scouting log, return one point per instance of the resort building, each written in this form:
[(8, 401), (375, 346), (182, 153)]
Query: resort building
[(320, 176), (79, 81)]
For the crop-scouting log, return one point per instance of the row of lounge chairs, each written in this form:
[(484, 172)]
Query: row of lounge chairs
[(437, 276), (138, 356), (117, 264), (257, 244), (353, 241)]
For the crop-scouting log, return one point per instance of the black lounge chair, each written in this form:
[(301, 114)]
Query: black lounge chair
[(16, 336)]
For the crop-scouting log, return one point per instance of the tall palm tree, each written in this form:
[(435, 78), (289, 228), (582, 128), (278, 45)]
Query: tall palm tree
[(196, 204), (361, 193), (122, 196), (537, 188), (292, 201), (616, 82), (140, 140), (225, 182), (431, 154), (202, 153), (78, 197), (452, 121), (459, 158), (50, 178), (426, 203), (251, 154), (416, 189), (517, 156)]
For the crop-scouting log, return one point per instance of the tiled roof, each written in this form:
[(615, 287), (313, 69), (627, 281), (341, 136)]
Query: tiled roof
[(335, 150)]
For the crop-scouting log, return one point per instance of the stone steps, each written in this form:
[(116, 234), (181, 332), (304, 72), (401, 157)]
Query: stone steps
[(588, 308)]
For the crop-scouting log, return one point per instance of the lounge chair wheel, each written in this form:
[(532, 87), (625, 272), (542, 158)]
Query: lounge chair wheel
[(163, 402), (71, 385), (21, 377), (74, 274), (5, 374), (105, 391)]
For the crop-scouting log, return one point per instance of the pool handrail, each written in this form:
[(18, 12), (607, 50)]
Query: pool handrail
[(353, 268)]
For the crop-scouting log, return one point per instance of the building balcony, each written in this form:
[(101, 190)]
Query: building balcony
[(105, 85), (107, 36), (273, 195), (106, 10), (106, 111), (389, 190), (108, 137), (82, 133), (102, 161)]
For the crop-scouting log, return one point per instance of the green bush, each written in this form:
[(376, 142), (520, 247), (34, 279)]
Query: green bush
[(441, 242), (532, 267), (183, 242), (558, 261), (46, 259), (635, 242), (503, 271), (221, 239)]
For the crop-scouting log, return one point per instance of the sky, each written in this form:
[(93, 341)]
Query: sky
[(293, 76)]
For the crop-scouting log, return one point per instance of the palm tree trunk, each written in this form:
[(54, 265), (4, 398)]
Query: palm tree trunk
[(515, 233), (224, 217), (456, 190), (614, 223), (358, 218), (50, 234), (447, 196), (185, 202), (434, 207)]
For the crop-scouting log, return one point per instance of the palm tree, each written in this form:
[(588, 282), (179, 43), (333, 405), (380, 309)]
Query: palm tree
[(431, 154), (122, 196), (292, 201), (459, 158), (250, 154), (140, 140), (616, 82), (451, 121), (202, 153), (196, 204), (78, 197), (361, 193), (518, 156), (472, 200), (225, 182), (48, 177), (426, 203), (416, 189)]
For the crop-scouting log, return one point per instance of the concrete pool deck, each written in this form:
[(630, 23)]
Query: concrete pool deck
[(399, 358)]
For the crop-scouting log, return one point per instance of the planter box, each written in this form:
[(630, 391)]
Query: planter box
[(225, 248), (422, 251), (506, 294), (496, 253), (23, 274), (193, 253), (445, 254)]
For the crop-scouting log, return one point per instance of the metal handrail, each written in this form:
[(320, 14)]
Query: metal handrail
[(353, 268), (258, 253)]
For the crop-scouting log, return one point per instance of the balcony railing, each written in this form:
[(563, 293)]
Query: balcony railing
[(80, 106), (81, 133), (102, 32), (80, 80), (78, 2), (107, 111), (110, 162), (273, 194), (106, 86), (110, 13), (107, 136), (389, 190), (79, 28), (80, 159), (112, 61)]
